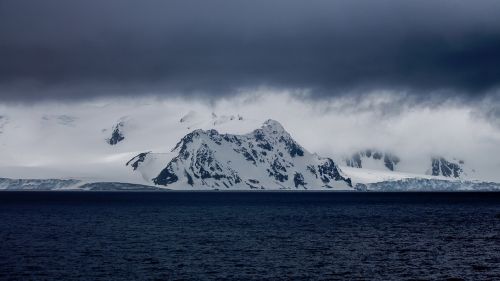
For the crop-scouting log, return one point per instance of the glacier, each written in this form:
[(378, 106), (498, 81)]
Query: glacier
[(423, 184), (69, 185)]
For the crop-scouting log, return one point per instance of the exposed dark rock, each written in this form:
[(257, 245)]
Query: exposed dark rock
[(377, 155), (203, 165), (166, 177), (441, 167), (189, 178), (293, 148), (329, 171), (117, 134), (265, 146), (298, 180), (139, 158), (356, 160), (390, 161), (247, 155), (312, 169)]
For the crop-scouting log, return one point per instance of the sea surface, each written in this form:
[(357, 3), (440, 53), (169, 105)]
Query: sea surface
[(249, 236)]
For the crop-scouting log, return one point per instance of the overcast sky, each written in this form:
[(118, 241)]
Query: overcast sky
[(414, 77), (75, 50)]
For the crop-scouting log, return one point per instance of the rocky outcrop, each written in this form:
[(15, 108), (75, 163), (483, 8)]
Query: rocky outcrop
[(389, 160), (442, 167)]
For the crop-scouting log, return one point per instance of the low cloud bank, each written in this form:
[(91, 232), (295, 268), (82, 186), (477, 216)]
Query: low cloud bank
[(69, 139)]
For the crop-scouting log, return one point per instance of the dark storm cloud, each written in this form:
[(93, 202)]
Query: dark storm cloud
[(75, 49)]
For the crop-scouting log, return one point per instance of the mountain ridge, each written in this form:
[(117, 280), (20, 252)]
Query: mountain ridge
[(266, 158)]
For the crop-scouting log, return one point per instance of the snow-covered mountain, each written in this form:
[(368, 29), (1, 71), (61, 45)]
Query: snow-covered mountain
[(267, 158)]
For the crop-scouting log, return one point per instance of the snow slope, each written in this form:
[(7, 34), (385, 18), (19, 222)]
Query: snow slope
[(362, 175)]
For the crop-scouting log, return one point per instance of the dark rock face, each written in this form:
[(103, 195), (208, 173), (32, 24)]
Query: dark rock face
[(298, 180), (166, 177), (312, 170), (278, 170), (356, 160), (117, 134), (253, 184), (202, 163), (134, 162), (377, 155), (293, 148), (189, 178), (329, 171), (253, 181), (441, 167), (390, 161)]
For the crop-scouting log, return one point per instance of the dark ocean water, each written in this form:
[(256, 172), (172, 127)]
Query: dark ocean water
[(249, 236)]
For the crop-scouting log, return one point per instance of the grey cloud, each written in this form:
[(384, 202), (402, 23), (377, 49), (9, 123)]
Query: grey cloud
[(80, 49)]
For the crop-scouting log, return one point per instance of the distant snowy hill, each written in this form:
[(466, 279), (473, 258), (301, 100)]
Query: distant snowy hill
[(267, 158), (440, 166), (374, 159)]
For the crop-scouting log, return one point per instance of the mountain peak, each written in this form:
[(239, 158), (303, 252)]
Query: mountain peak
[(273, 124)]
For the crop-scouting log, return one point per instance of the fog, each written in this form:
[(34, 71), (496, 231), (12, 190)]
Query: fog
[(68, 139)]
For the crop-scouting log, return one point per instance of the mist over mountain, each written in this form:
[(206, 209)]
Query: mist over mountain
[(72, 140)]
